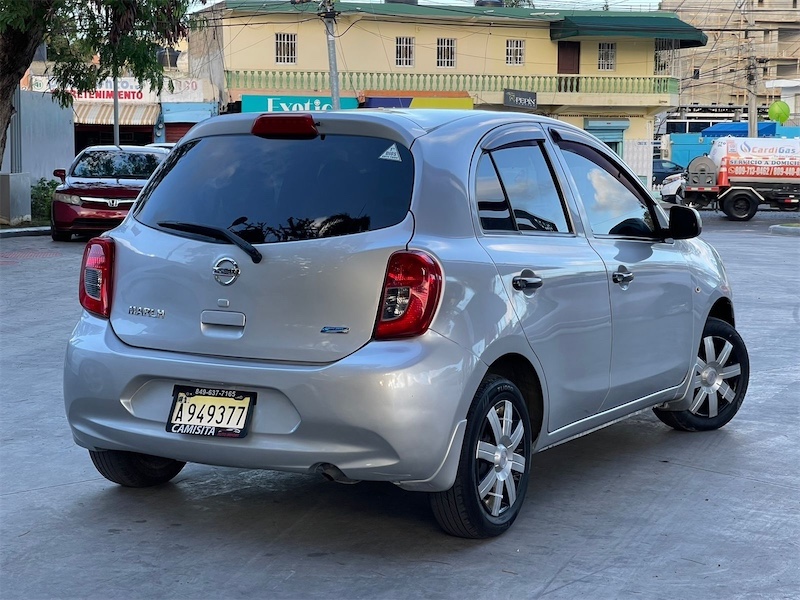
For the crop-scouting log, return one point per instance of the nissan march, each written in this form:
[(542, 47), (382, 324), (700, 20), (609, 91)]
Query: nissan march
[(426, 298)]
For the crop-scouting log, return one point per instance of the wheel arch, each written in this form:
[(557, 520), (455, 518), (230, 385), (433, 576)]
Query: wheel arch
[(723, 310), (518, 369)]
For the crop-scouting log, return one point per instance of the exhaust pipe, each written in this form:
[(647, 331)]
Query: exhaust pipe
[(334, 473)]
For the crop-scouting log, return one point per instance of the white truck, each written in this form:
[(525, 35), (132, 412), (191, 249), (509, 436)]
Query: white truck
[(739, 174)]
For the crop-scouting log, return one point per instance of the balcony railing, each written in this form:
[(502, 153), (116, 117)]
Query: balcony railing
[(450, 82)]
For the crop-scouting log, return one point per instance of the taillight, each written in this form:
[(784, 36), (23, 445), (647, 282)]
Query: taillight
[(410, 295), (96, 271)]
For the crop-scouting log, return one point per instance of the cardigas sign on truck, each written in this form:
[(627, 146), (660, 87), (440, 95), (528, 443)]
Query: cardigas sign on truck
[(740, 173)]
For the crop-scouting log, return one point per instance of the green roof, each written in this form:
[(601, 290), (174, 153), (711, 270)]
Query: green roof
[(564, 25), (643, 25)]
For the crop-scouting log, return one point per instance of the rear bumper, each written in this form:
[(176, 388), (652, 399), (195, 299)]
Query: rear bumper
[(69, 217), (392, 411)]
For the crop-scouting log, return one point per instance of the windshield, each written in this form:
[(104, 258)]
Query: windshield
[(268, 190), (117, 164)]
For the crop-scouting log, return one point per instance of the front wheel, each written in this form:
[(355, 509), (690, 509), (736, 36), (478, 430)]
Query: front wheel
[(60, 236), (721, 374), (132, 469), (494, 468), (740, 207)]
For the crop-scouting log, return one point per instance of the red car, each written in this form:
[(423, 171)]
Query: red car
[(100, 187)]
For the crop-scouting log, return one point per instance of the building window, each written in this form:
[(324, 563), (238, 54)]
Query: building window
[(515, 52), (607, 56), (665, 57), (696, 74), (446, 52), (404, 51), (286, 48)]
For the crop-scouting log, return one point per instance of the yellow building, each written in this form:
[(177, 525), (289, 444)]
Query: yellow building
[(608, 72)]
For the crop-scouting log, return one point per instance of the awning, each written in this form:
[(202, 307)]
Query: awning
[(765, 129), (652, 26), (188, 112), (102, 113)]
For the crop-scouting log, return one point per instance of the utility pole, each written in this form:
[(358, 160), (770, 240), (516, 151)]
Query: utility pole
[(752, 72), (328, 16), (327, 13)]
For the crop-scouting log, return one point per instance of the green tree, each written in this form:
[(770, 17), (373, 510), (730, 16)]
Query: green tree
[(518, 4), (124, 34)]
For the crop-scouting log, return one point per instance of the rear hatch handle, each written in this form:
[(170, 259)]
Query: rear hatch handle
[(218, 233)]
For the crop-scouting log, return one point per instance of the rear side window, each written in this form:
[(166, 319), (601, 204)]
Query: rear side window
[(519, 177), (268, 190), (110, 163)]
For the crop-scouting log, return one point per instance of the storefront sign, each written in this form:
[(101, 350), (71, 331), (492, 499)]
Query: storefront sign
[(252, 103), (128, 90), (519, 99), (184, 90)]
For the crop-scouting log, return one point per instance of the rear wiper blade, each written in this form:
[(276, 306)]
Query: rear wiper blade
[(214, 232)]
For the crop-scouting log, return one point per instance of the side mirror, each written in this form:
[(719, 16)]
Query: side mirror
[(61, 174), (684, 222)]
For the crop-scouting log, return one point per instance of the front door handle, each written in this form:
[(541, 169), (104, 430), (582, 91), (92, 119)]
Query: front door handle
[(527, 281), (622, 277)]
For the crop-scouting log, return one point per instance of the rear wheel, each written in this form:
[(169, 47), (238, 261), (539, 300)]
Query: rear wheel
[(132, 469), (494, 468), (740, 207), (721, 374)]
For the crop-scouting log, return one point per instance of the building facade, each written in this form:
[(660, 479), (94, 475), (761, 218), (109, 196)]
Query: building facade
[(750, 42), (607, 72)]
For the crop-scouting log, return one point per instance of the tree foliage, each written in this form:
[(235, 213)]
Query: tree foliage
[(87, 41)]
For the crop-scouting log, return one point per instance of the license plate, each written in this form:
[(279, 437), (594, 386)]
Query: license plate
[(213, 412)]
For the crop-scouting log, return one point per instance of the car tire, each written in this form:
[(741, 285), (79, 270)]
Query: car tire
[(740, 207), (719, 381), (60, 236), (494, 467), (131, 469)]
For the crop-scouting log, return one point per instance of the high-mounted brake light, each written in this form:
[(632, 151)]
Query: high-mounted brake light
[(96, 276), (296, 126), (410, 296)]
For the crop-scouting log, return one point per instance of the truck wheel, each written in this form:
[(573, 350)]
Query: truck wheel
[(740, 207)]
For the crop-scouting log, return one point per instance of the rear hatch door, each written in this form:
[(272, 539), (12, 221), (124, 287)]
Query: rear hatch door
[(324, 215)]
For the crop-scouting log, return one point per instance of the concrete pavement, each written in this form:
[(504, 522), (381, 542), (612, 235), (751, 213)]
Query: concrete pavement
[(633, 511)]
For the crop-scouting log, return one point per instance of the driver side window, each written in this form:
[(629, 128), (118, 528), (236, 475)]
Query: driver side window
[(612, 202)]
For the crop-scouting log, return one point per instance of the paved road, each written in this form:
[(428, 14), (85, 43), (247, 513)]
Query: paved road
[(633, 511)]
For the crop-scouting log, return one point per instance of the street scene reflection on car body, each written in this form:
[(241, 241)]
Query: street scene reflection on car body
[(426, 298)]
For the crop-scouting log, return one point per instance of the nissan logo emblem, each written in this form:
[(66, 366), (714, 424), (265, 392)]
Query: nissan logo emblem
[(226, 271)]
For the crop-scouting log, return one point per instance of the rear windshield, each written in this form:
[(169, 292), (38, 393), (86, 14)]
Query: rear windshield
[(267, 190), (117, 164)]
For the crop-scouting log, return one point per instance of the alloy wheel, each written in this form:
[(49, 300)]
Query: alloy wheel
[(501, 459)]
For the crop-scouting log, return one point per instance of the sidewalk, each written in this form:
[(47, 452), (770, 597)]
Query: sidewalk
[(22, 231)]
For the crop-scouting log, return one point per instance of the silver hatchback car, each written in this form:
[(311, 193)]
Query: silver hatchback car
[(426, 298)]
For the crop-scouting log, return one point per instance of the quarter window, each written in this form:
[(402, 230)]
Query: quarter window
[(612, 202), (516, 191), (446, 52), (607, 56), (286, 48), (515, 52), (404, 51)]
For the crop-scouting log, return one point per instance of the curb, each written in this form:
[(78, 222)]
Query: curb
[(21, 231), (784, 230)]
